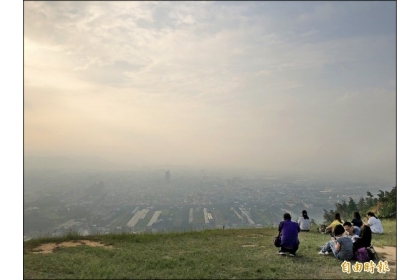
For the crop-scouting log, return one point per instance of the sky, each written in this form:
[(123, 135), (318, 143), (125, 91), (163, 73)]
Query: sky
[(291, 87)]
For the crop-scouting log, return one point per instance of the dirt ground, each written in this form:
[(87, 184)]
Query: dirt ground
[(389, 254), (50, 247)]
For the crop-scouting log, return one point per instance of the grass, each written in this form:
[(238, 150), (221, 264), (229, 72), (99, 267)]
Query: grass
[(208, 254)]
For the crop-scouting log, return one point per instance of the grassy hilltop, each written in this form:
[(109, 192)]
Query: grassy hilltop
[(223, 254)]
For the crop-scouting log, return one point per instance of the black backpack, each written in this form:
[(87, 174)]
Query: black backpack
[(277, 241), (373, 256)]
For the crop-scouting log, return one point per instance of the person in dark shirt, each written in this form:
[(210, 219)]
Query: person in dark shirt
[(365, 238), (289, 231), (341, 246), (357, 220)]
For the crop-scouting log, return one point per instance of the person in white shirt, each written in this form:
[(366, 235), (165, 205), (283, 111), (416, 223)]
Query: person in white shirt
[(304, 221), (374, 223)]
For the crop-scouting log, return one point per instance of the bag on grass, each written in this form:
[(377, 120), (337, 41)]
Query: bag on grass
[(322, 228), (361, 255), (277, 241), (372, 253)]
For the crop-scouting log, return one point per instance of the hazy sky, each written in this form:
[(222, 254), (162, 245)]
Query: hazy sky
[(306, 87)]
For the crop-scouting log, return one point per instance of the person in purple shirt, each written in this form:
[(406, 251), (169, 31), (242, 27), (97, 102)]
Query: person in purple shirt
[(289, 236)]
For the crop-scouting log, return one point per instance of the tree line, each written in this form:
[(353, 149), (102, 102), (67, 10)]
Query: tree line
[(384, 205)]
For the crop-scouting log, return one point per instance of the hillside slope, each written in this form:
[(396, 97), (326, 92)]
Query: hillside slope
[(223, 254)]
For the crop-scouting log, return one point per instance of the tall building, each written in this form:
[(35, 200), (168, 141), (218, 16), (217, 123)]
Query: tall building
[(168, 176)]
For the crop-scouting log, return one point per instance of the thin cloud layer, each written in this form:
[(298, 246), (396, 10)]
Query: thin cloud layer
[(304, 88)]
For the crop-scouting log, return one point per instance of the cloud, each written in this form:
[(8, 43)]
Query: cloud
[(264, 84)]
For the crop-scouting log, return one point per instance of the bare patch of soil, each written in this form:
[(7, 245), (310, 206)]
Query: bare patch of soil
[(50, 247), (387, 252)]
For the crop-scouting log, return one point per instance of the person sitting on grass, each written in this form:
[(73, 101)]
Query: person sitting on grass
[(351, 231), (374, 223), (304, 221), (289, 236), (341, 246), (357, 220), (337, 221), (365, 238)]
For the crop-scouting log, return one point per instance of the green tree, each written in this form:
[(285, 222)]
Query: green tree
[(338, 208), (361, 205), (328, 216), (369, 200), (342, 208), (388, 203), (344, 211), (385, 202), (381, 196), (352, 207)]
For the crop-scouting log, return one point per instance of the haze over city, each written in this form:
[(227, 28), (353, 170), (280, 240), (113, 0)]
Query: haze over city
[(289, 87)]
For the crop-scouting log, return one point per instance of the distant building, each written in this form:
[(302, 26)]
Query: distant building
[(168, 176)]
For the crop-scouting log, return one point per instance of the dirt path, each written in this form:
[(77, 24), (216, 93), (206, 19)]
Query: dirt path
[(50, 247), (389, 254)]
